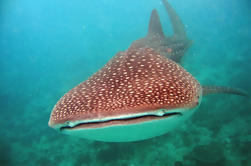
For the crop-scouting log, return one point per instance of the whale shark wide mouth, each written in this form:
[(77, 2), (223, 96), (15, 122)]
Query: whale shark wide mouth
[(119, 121)]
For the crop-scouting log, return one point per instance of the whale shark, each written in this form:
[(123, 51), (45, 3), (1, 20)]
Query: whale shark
[(141, 93)]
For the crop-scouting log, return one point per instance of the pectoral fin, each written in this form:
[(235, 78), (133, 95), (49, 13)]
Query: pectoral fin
[(221, 89)]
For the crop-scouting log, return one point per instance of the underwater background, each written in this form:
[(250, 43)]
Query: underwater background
[(49, 46)]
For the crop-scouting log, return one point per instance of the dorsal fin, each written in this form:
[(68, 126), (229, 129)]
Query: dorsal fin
[(221, 89), (155, 28), (178, 26)]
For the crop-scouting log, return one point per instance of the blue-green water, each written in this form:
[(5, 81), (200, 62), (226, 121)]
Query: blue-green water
[(48, 47)]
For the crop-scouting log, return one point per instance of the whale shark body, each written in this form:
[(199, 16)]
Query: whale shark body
[(140, 93)]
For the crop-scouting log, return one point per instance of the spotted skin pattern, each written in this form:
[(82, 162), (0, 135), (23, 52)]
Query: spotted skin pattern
[(135, 81)]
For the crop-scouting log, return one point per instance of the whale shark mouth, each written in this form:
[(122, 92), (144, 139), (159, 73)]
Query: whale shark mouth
[(119, 121)]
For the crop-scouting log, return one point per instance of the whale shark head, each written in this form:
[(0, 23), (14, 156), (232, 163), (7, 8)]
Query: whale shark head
[(137, 95)]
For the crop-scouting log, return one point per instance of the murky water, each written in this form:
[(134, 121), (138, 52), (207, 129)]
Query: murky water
[(48, 47)]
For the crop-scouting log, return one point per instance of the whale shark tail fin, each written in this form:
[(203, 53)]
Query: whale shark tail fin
[(177, 25)]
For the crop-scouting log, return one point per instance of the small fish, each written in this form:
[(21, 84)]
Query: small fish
[(140, 93)]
